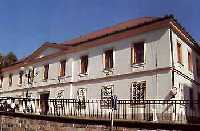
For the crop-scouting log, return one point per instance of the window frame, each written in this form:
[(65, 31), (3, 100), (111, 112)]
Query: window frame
[(10, 81), (84, 62), (105, 102), (136, 100), (197, 67), (1, 80), (190, 62), (179, 53), (108, 62), (63, 68), (81, 98), (46, 72), (21, 73), (133, 53), (191, 96)]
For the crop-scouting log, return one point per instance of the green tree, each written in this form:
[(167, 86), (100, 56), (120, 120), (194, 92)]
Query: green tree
[(1, 60), (9, 59)]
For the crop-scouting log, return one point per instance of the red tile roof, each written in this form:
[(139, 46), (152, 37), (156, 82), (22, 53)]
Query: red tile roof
[(116, 28)]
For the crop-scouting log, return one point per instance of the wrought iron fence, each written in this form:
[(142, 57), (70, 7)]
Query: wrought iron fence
[(171, 111)]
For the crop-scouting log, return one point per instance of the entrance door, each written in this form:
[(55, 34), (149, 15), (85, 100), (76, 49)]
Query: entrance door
[(44, 106)]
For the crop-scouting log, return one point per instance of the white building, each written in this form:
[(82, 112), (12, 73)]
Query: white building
[(144, 58)]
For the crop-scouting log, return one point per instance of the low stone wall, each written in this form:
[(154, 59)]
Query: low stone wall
[(9, 123), (29, 122)]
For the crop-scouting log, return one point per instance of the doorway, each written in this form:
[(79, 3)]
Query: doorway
[(44, 106)]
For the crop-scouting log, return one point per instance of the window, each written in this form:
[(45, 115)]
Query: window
[(108, 59), (106, 93), (81, 96), (199, 101), (1, 84), (189, 61), (20, 77), (137, 91), (198, 67), (191, 98), (84, 64), (10, 80), (31, 75), (60, 94), (46, 71), (62, 67), (179, 53), (137, 53)]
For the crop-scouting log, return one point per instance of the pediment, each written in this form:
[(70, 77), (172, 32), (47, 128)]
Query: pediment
[(46, 50)]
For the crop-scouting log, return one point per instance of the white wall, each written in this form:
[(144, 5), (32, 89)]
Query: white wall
[(157, 48)]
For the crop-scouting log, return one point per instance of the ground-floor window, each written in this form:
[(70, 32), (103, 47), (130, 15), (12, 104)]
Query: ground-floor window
[(191, 98), (138, 91), (106, 93), (81, 96)]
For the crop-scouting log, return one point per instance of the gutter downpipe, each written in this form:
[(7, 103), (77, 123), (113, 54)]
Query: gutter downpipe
[(172, 56)]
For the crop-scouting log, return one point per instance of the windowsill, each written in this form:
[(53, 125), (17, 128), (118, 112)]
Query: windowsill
[(107, 70), (19, 85), (44, 80), (83, 74), (63, 77), (136, 65)]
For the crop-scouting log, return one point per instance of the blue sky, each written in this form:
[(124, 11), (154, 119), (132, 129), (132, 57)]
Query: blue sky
[(27, 24)]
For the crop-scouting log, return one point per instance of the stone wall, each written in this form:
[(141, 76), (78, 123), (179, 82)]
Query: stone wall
[(9, 123)]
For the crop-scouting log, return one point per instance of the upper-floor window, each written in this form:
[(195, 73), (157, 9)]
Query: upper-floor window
[(20, 77), (62, 67), (198, 67), (10, 80), (189, 61), (179, 53), (137, 53), (46, 71), (30, 75), (84, 64), (108, 59), (1, 84)]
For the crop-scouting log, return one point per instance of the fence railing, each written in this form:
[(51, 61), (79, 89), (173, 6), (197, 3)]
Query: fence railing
[(171, 111)]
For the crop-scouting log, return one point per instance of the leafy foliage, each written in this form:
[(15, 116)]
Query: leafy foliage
[(7, 60)]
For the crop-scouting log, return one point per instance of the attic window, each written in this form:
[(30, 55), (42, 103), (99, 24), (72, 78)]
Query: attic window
[(137, 53), (62, 67), (46, 71)]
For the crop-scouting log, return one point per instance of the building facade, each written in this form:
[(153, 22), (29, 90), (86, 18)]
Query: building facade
[(144, 58)]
